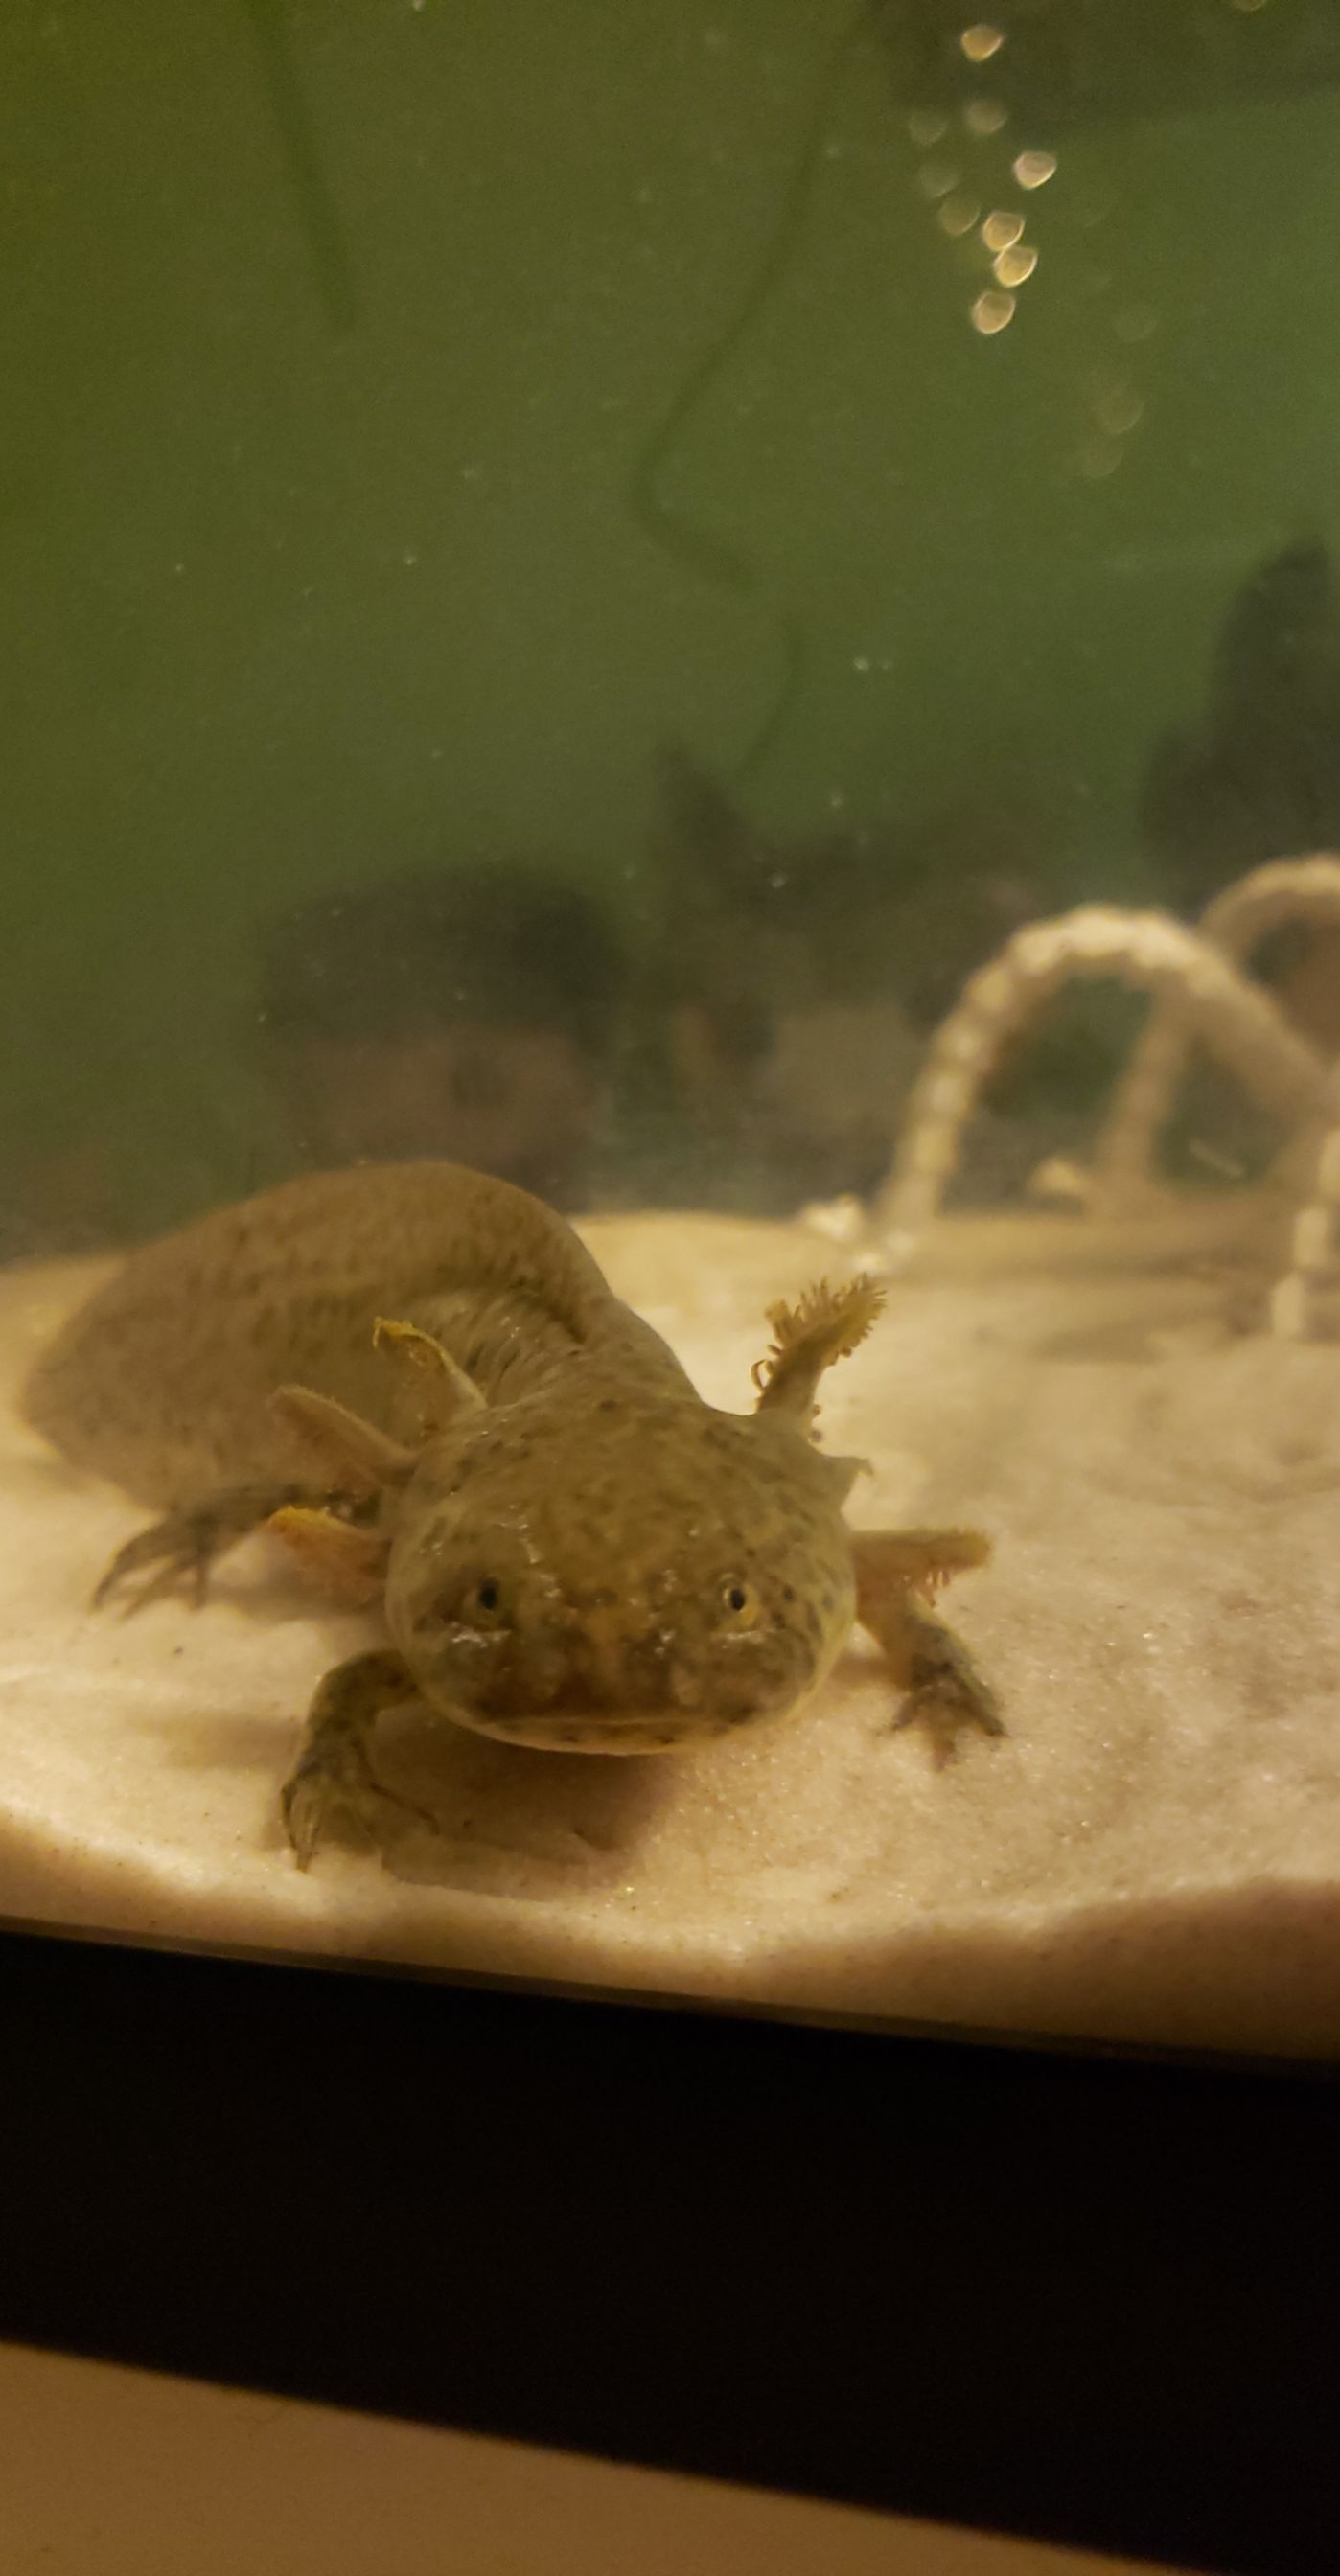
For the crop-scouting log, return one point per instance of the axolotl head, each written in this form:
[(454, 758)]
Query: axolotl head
[(636, 1576)]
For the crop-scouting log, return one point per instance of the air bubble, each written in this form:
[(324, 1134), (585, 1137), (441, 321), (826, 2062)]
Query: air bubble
[(1011, 267), (991, 313), (957, 214)]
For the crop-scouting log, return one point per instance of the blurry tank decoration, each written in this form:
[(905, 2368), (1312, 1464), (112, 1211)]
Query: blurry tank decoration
[(1260, 772), (468, 1011), (1200, 990), (295, 132), (797, 976)]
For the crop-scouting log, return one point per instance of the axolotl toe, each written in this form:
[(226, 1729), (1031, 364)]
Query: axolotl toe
[(569, 1548)]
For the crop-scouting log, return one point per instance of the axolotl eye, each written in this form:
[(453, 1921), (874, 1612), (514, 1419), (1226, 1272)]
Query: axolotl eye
[(482, 1602), (740, 1603)]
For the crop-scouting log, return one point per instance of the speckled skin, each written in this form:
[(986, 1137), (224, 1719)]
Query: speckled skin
[(590, 1559), (162, 1381)]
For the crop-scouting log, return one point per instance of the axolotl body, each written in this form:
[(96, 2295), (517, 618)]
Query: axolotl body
[(419, 1377)]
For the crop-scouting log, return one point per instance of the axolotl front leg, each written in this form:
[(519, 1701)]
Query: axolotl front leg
[(334, 1770), (898, 1573)]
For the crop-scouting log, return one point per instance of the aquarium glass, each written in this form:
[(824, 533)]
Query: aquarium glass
[(724, 612)]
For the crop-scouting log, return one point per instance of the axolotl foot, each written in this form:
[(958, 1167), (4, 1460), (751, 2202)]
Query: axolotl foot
[(333, 1773), (176, 1553), (948, 1692), (898, 1573)]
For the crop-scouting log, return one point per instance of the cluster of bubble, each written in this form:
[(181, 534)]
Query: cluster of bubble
[(994, 235), (968, 159)]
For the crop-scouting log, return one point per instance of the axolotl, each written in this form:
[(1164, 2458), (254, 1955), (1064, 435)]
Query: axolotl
[(420, 1379)]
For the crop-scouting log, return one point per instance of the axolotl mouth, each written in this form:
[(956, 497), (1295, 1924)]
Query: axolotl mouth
[(594, 1695), (574, 1728), (575, 1733)]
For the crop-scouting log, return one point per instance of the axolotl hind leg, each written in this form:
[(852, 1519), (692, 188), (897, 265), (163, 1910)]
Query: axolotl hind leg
[(353, 1463), (897, 1574), (180, 1550)]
